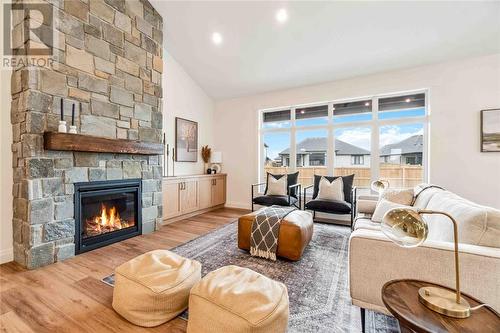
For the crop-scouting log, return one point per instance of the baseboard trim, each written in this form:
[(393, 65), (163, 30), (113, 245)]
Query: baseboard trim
[(186, 216), (6, 255), (238, 205)]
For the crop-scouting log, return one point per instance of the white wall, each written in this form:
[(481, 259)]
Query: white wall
[(6, 161), (458, 91), (184, 98)]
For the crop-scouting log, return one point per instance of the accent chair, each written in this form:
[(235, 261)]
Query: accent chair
[(292, 198), (347, 206)]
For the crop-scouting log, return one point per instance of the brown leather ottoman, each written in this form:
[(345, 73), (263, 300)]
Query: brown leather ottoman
[(296, 231)]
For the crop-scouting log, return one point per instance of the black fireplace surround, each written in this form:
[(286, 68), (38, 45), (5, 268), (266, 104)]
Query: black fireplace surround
[(106, 212)]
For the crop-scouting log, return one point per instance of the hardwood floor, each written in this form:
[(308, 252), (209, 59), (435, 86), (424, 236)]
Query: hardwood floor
[(68, 296)]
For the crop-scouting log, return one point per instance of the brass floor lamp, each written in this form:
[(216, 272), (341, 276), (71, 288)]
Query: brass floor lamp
[(407, 228)]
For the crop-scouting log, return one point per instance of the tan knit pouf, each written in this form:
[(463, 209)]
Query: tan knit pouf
[(236, 300), (154, 287)]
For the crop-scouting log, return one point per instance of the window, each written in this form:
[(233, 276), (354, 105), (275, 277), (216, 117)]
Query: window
[(357, 160), (311, 149), (378, 137)]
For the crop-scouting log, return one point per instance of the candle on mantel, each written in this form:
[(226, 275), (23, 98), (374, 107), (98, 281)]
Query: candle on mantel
[(73, 115), (62, 109)]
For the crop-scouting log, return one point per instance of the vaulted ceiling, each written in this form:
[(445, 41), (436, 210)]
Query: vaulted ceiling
[(320, 41)]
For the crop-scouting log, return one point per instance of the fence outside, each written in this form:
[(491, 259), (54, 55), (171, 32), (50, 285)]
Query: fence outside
[(399, 176)]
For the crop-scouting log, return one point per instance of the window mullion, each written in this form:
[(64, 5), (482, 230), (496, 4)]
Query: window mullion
[(330, 141), (293, 146), (375, 150)]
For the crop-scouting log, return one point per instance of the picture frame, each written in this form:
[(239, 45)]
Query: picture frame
[(490, 130), (186, 140)]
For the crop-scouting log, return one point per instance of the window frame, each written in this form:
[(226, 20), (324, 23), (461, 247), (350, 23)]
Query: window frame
[(374, 124)]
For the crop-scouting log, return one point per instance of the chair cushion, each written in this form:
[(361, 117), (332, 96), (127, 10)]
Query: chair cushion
[(292, 179), (236, 299), (329, 206), (269, 200), (276, 186), (348, 180)]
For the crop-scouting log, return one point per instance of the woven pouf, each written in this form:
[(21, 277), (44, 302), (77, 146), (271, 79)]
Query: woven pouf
[(236, 300), (154, 287)]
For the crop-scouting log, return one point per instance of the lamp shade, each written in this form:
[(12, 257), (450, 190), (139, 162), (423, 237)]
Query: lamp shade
[(216, 157), (405, 227), (379, 185)]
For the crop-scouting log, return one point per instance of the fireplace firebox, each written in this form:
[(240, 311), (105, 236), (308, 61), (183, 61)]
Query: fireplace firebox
[(106, 212)]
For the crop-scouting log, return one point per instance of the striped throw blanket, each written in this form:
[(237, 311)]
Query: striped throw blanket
[(265, 231)]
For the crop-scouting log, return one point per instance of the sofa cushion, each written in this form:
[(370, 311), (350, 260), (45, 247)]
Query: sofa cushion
[(366, 223), (269, 200), (329, 206), (423, 194), (348, 181), (477, 225), (383, 206), (400, 196)]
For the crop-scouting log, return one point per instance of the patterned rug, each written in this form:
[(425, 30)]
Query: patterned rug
[(317, 284)]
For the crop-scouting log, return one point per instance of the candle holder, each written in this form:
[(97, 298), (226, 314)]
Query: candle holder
[(62, 127), (72, 129)]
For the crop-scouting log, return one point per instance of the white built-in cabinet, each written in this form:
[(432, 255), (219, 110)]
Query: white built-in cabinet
[(189, 195)]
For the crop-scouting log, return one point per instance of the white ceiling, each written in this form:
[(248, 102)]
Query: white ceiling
[(321, 41)]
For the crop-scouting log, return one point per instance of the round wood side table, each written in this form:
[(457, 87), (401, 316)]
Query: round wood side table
[(401, 299)]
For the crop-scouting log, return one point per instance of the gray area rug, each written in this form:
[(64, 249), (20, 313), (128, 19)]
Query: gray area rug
[(317, 284)]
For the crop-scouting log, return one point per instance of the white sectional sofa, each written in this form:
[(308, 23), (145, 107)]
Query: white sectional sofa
[(374, 259)]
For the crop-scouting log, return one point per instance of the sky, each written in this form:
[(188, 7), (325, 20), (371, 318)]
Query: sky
[(358, 136)]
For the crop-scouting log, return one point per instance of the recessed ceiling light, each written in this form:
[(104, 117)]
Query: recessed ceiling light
[(407, 100), (217, 38), (367, 104), (302, 111), (281, 15)]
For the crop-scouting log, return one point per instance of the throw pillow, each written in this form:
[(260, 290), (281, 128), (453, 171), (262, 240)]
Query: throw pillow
[(276, 186), (383, 206), (331, 190), (400, 196), (347, 180), (291, 179)]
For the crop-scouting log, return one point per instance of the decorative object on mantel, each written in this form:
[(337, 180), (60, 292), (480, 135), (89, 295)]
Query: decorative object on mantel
[(72, 128), (62, 123), (186, 140), (216, 161), (206, 152), (490, 130), (89, 143)]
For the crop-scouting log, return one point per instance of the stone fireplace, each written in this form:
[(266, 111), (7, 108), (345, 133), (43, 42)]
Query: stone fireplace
[(107, 61)]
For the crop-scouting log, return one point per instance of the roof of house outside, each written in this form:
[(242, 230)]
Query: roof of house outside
[(320, 145), (413, 144)]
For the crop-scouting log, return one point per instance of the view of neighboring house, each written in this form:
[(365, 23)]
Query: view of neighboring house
[(312, 152), (408, 151)]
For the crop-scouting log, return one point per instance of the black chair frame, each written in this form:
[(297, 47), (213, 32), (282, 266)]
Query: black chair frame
[(299, 189), (353, 203)]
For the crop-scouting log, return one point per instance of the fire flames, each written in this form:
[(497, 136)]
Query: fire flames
[(108, 220)]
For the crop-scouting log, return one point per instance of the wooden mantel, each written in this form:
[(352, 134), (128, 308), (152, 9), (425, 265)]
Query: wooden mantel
[(88, 143)]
